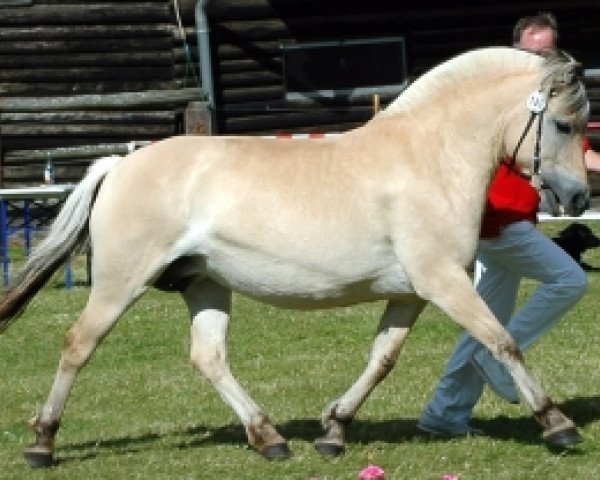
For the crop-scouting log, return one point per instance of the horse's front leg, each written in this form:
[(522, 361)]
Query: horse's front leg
[(452, 291), (393, 329), (209, 305)]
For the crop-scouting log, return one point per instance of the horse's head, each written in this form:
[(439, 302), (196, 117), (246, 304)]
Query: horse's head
[(553, 145)]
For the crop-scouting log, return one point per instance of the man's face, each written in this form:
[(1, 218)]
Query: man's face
[(538, 39)]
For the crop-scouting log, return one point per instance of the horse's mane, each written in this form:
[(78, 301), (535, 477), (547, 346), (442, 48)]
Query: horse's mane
[(505, 60)]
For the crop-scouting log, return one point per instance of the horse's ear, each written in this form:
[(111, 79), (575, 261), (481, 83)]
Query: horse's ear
[(562, 71), (571, 69), (570, 75), (577, 69)]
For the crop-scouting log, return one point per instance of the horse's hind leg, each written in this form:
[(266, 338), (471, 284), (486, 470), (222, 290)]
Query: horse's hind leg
[(209, 305), (392, 331), (94, 323)]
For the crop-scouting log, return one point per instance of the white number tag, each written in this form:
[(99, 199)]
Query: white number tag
[(536, 103)]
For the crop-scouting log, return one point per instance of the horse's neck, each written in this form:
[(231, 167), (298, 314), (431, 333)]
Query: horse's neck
[(470, 119), (460, 136)]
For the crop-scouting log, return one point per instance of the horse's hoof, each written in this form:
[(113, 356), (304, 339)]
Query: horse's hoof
[(279, 451), (38, 457), (565, 438), (328, 449)]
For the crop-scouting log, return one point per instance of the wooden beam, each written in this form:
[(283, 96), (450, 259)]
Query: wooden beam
[(95, 60), (81, 88), (46, 32), (86, 13), (99, 45), (100, 72), (87, 130), (115, 101), (90, 116), (18, 157)]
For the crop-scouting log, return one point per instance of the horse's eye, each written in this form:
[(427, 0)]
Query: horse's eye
[(563, 127)]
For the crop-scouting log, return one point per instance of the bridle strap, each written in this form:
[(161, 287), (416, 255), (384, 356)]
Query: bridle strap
[(537, 159), (536, 103), (523, 135)]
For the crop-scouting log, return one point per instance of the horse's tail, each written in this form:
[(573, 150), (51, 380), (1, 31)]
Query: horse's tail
[(68, 231)]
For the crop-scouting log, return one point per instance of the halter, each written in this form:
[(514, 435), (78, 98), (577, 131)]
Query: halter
[(536, 104)]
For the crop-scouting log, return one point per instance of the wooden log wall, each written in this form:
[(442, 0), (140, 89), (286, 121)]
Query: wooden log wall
[(246, 36), (59, 51), (56, 48)]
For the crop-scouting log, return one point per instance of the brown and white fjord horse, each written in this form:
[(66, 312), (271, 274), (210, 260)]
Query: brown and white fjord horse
[(390, 210)]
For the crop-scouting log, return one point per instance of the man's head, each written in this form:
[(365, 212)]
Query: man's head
[(536, 33)]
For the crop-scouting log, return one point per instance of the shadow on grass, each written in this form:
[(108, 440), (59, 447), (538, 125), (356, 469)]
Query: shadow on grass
[(582, 410), (524, 429), (233, 434), (75, 284), (89, 450)]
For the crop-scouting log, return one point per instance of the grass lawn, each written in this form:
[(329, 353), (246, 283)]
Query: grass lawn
[(139, 410)]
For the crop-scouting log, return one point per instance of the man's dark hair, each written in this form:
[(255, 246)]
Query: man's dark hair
[(541, 20)]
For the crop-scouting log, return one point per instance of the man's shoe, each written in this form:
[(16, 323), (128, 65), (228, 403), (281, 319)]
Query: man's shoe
[(438, 427), (495, 375)]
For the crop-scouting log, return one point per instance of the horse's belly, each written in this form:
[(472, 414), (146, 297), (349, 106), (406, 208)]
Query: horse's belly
[(297, 284)]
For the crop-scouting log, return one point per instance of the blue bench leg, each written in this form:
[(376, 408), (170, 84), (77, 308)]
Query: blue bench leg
[(4, 242), (68, 275)]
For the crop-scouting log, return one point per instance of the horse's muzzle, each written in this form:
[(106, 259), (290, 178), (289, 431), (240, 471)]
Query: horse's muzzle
[(579, 203)]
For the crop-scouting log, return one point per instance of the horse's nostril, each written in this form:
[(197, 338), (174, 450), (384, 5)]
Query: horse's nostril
[(581, 202)]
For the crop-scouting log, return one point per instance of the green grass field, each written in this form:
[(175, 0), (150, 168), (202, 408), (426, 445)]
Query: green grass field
[(139, 410)]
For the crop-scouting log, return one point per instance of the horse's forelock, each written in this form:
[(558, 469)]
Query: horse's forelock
[(460, 68), (561, 77)]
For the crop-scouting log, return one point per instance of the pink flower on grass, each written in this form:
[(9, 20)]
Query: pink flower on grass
[(372, 472), (449, 476)]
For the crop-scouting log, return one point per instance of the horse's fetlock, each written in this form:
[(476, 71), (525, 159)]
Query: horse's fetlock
[(261, 432), (45, 432), (332, 415), (548, 416)]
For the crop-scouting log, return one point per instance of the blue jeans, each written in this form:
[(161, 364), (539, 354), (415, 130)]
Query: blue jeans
[(520, 251)]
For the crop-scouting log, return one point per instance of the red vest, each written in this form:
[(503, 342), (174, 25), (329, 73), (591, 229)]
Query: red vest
[(511, 198)]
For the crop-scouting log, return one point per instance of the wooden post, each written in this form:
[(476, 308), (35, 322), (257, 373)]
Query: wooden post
[(197, 119), (376, 103)]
